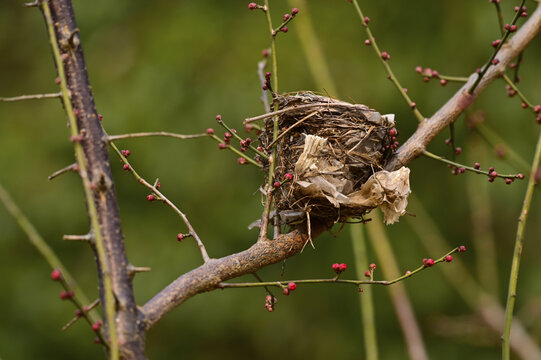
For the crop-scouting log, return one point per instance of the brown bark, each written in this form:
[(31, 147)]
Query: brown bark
[(95, 146)]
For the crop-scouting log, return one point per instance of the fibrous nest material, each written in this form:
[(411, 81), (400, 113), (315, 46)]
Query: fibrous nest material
[(336, 152)]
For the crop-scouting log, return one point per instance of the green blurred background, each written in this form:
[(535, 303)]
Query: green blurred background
[(174, 65)]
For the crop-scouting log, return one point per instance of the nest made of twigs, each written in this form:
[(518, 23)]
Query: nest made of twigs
[(353, 139)]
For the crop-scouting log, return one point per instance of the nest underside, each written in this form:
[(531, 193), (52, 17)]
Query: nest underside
[(356, 143)]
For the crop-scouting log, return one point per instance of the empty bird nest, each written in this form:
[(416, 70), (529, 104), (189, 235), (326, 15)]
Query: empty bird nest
[(335, 151)]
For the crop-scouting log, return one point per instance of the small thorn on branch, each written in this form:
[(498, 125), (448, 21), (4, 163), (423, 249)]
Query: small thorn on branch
[(72, 167), (133, 270), (86, 238)]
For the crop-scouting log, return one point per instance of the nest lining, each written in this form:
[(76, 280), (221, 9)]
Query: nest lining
[(349, 143)]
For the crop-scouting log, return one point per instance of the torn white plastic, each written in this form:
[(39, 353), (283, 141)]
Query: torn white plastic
[(323, 179)]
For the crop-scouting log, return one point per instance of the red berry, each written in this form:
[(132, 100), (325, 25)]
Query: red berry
[(538, 119), (56, 275), (512, 28), (367, 273), (294, 11), (461, 248), (426, 79), (462, 170), (477, 165), (126, 167), (372, 266), (57, 81), (285, 291), (495, 43), (265, 53), (385, 56), (276, 184), (336, 266), (180, 237), (97, 325), (413, 105), (448, 258), (520, 176), (495, 62), (508, 181), (242, 161), (418, 69), (222, 146), (286, 17), (537, 108), (458, 150), (125, 153), (64, 295), (210, 131), (493, 174), (151, 197), (366, 20), (252, 6), (265, 87), (428, 262), (78, 313), (284, 29), (393, 132), (291, 286), (443, 82), (100, 116), (368, 42), (219, 118), (343, 267), (288, 176), (158, 185)]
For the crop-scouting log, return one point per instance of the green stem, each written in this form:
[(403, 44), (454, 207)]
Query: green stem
[(91, 206), (366, 303), (238, 152), (519, 241), (495, 52), (273, 48), (41, 246), (336, 279), (519, 93), (392, 77), (469, 168)]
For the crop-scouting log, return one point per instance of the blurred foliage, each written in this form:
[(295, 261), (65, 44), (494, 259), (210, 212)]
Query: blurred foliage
[(172, 66)]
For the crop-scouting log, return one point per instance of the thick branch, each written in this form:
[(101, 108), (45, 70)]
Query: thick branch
[(97, 177), (448, 113), (209, 276)]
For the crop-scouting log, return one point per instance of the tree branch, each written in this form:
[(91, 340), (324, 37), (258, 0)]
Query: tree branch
[(448, 113), (208, 276), (91, 149)]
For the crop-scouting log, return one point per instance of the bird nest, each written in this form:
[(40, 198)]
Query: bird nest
[(335, 151)]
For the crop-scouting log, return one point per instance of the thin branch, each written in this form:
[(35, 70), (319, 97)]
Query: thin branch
[(366, 301), (282, 283), (399, 297), (31, 97), (519, 243), (156, 133), (41, 245), (469, 168), (385, 64), (490, 62), (471, 291), (449, 112), (72, 167), (163, 198)]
